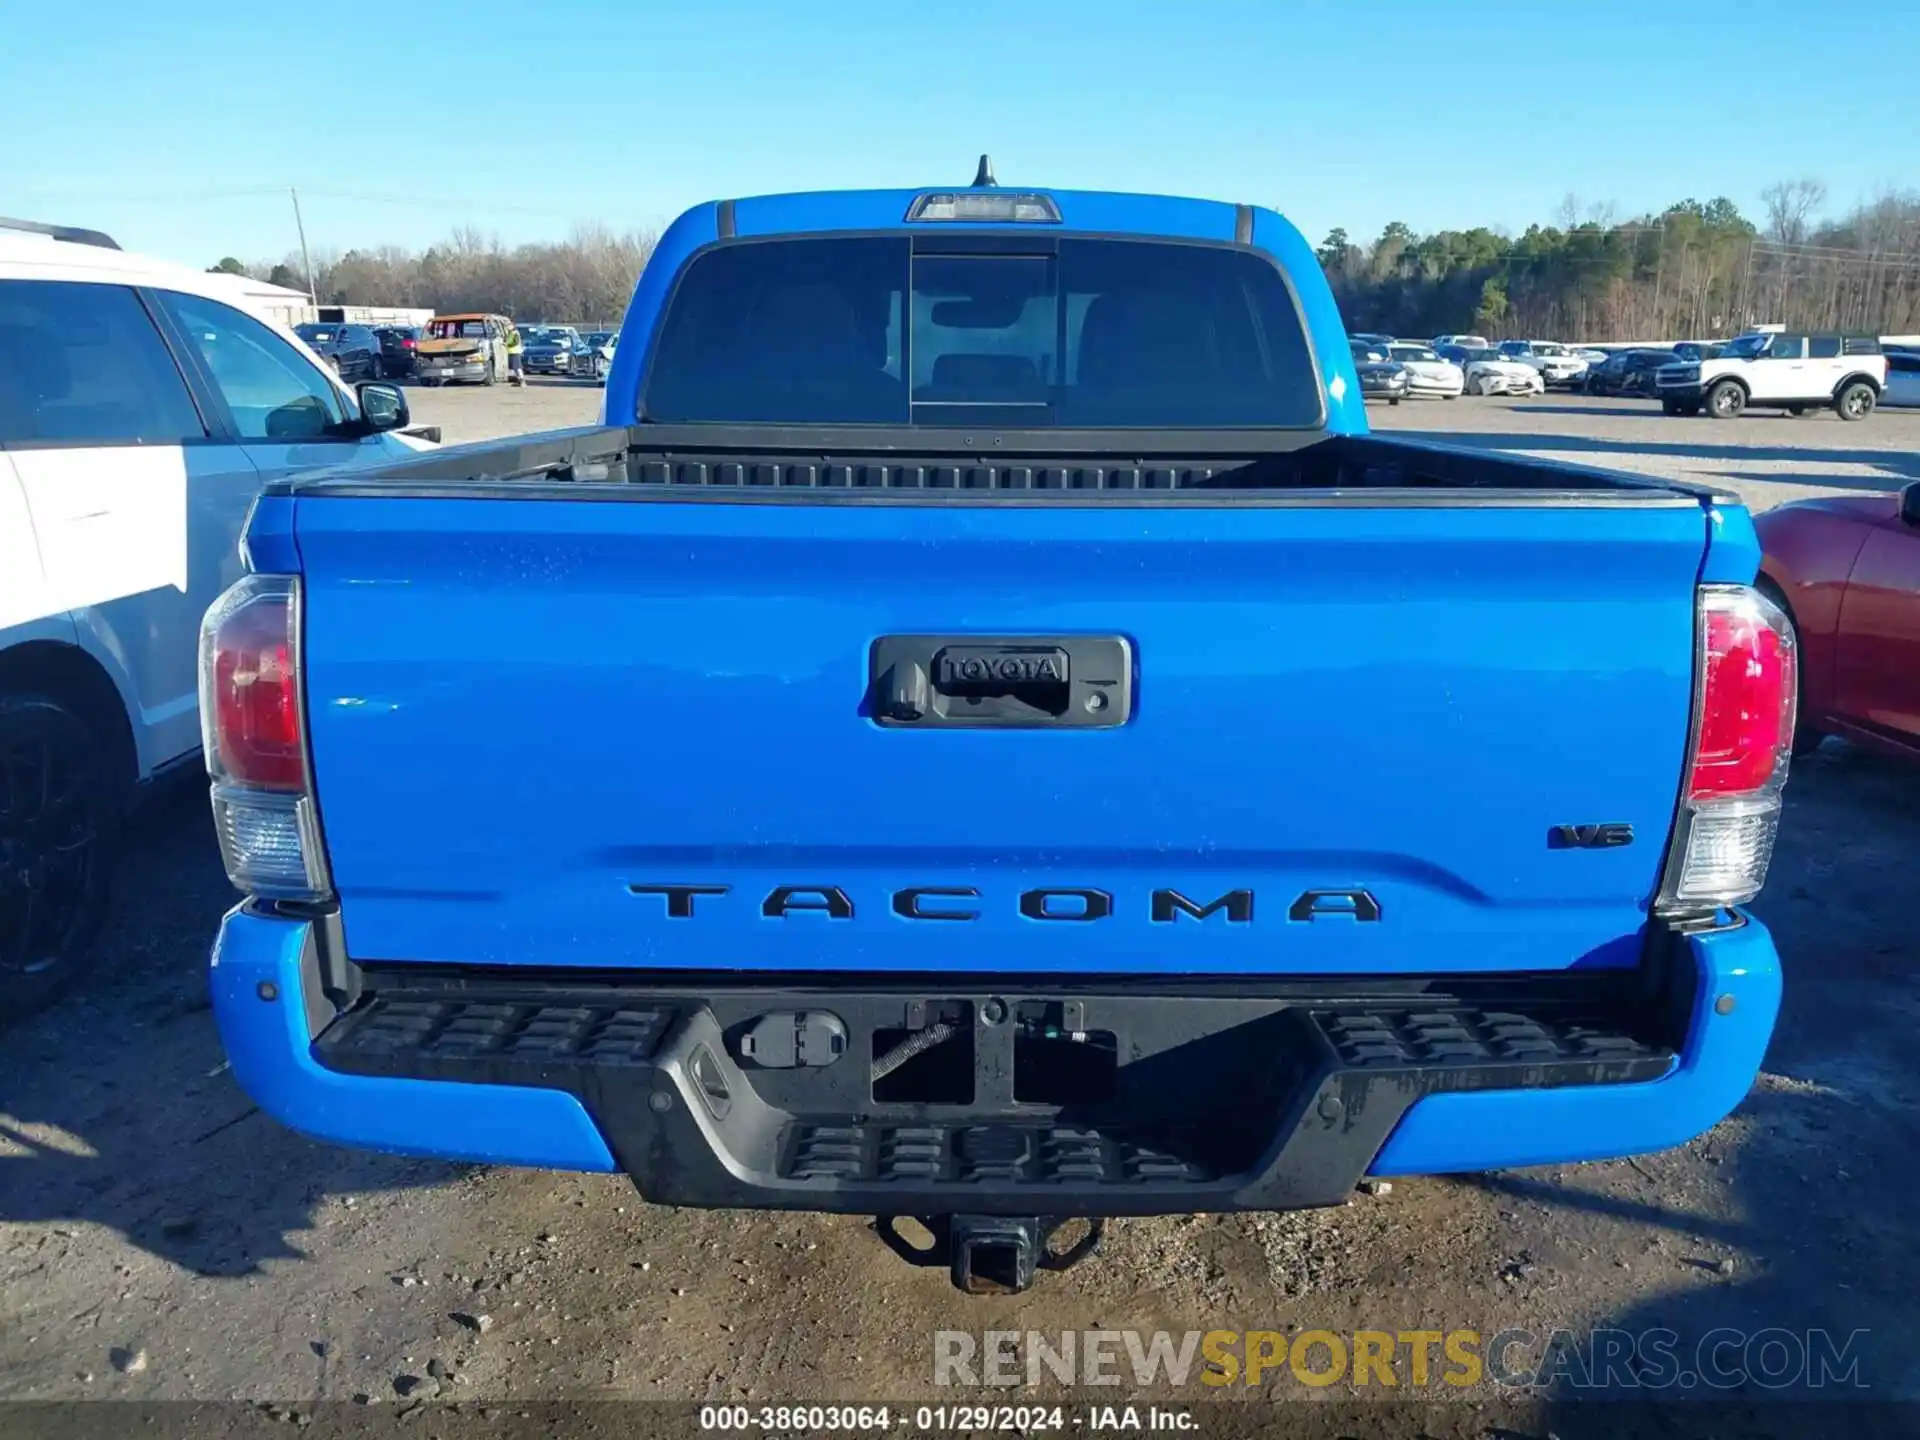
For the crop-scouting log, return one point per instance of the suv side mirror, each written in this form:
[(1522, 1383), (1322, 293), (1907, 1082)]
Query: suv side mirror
[(1910, 504), (382, 407)]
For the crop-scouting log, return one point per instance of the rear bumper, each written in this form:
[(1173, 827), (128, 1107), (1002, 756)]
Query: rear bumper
[(1231, 1098), (472, 370)]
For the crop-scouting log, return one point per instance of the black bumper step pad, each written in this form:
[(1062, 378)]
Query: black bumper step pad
[(981, 1155), (1397, 1039), (453, 1037)]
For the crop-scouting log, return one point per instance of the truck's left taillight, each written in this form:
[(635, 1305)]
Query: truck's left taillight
[(1746, 691), (253, 723)]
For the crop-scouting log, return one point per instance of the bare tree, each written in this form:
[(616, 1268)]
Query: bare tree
[(588, 278), (1790, 204)]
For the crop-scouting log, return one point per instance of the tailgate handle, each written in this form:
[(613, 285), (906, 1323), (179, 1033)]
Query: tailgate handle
[(1013, 682)]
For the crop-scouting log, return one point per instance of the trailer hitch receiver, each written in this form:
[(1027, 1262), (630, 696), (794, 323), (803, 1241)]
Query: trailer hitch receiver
[(991, 1254)]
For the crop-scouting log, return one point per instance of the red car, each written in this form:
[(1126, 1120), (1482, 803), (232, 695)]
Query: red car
[(1847, 570)]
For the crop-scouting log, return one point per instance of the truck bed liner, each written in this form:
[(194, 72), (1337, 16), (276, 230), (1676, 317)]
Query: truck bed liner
[(827, 466)]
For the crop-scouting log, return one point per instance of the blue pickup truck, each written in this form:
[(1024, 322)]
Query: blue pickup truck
[(983, 733)]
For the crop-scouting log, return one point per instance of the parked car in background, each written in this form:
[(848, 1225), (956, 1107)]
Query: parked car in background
[(1381, 376), (352, 350), (595, 356), (1378, 342), (399, 347), (140, 412), (551, 352), (463, 348), (1795, 373), (1903, 379), (1489, 372), (1427, 373), (1465, 342), (1557, 363), (1846, 569), (1626, 372)]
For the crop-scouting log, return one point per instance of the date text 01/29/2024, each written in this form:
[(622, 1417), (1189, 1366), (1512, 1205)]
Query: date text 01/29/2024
[(1018, 1419)]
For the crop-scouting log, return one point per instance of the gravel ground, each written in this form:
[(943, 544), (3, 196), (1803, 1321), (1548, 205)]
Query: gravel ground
[(160, 1239)]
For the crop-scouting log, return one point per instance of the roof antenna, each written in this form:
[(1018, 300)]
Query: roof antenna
[(983, 177)]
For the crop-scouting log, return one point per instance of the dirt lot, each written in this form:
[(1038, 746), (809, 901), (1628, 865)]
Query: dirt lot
[(161, 1239)]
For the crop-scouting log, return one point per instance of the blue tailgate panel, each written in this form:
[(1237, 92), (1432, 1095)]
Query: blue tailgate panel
[(522, 708)]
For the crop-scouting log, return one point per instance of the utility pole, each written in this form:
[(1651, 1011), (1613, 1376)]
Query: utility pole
[(306, 260), (1746, 284)]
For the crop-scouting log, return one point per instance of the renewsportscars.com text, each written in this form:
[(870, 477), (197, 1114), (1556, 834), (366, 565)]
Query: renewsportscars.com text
[(1654, 1359)]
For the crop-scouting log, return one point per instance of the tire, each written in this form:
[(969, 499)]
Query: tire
[(488, 378), (1669, 407), (377, 369), (1796, 410), (1391, 399), (1855, 401), (1726, 400), (59, 810)]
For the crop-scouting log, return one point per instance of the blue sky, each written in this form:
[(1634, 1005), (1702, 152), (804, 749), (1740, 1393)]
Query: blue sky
[(178, 126)]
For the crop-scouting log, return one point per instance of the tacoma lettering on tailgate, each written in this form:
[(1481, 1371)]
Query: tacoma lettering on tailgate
[(1068, 903)]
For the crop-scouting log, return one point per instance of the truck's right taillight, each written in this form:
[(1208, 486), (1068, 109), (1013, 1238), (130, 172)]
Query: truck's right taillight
[(1747, 687), (253, 723)]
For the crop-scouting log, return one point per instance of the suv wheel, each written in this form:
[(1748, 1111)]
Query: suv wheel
[(1726, 400), (56, 823), (1855, 401)]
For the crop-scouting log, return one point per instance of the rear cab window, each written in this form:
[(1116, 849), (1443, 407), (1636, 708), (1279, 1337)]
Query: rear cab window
[(1078, 333)]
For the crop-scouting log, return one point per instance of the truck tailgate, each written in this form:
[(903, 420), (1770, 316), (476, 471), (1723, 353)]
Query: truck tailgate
[(532, 719)]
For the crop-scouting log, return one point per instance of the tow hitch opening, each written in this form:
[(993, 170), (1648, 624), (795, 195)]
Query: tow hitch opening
[(991, 1254)]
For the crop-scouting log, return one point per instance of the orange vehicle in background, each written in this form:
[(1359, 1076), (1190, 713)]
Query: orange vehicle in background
[(463, 347)]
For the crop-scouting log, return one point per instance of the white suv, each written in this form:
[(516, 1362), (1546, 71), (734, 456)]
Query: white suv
[(1557, 364), (1794, 373), (140, 410)]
